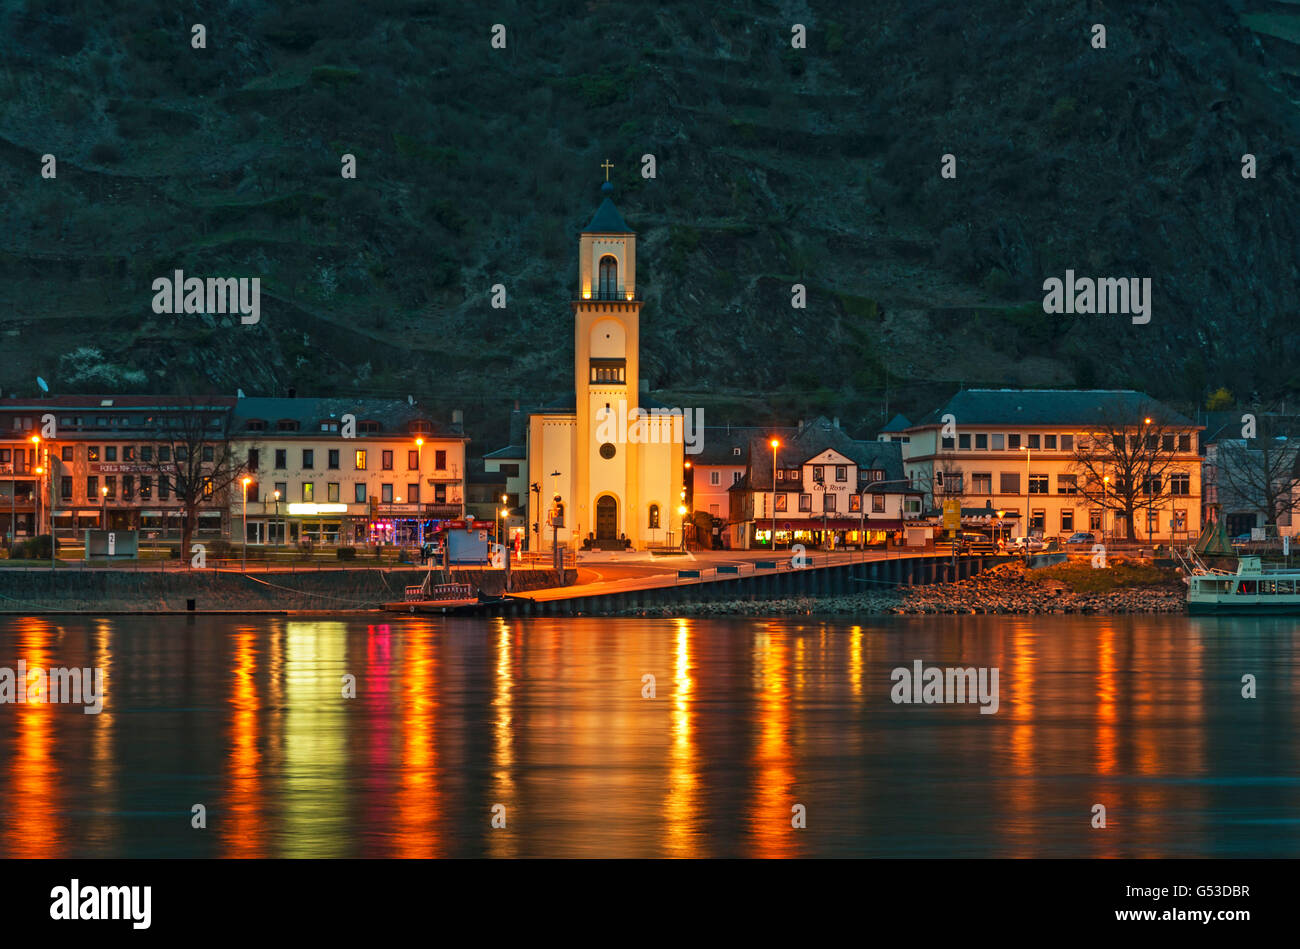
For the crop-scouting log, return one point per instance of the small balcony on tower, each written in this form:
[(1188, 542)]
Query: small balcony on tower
[(608, 371)]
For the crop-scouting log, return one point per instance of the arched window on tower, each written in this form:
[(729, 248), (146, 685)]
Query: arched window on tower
[(608, 286), (654, 516)]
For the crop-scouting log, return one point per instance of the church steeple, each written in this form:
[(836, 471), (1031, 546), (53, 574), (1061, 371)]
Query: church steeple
[(607, 253)]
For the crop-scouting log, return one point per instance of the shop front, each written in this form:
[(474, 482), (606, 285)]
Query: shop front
[(828, 534)]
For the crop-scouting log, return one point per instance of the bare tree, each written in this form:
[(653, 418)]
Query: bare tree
[(1261, 470), (194, 457), (1126, 461)]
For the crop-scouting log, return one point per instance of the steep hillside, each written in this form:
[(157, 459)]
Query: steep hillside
[(477, 166)]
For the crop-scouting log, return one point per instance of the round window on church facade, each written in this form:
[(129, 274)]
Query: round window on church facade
[(607, 450)]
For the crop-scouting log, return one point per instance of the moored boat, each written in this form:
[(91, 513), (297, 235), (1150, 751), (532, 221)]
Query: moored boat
[(1254, 589)]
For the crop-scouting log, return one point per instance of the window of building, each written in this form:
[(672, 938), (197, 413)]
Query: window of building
[(828, 502), (164, 488), (877, 504), (963, 442), (1184, 442), (413, 493), (92, 488), (735, 477), (253, 459), (92, 453), (1067, 484), (1038, 519), (819, 473), (65, 488), (1151, 484), (164, 453), (1067, 520), (982, 482), (333, 458), (412, 460), (511, 470), (1049, 442), (608, 276), (309, 491), (715, 477), (386, 493), (1009, 482), (1038, 484), (841, 472), (359, 493), (875, 474), (208, 453), (1067, 442), (947, 443), (66, 453), (735, 452), (281, 459), (855, 503), (780, 503), (146, 487), (110, 482), (981, 442), (361, 459), (997, 441), (1180, 483), (386, 460), (332, 492), (1153, 521), (128, 487), (110, 453), (308, 459), (440, 459), (1035, 441), (654, 516), (1013, 441), (805, 502), (329, 425), (128, 453)]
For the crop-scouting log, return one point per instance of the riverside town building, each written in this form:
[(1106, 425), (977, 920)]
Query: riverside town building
[(1015, 451), (827, 490), (100, 462), (398, 479)]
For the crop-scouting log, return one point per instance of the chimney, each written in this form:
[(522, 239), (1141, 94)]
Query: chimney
[(836, 421), (457, 420)]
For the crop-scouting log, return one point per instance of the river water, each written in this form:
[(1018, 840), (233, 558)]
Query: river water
[(546, 724)]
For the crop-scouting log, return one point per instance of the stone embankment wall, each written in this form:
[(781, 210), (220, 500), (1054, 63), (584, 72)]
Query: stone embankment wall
[(108, 590)]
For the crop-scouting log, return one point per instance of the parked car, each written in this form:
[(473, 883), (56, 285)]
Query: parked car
[(1025, 545), (975, 542), (1081, 539)]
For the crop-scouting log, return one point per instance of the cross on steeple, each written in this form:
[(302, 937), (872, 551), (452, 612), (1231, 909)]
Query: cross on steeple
[(607, 166)]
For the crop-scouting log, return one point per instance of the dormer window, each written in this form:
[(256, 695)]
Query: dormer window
[(370, 428), (255, 425), (329, 425), (286, 425)]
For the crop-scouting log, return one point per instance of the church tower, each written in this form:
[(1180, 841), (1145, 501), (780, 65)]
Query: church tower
[(607, 314)]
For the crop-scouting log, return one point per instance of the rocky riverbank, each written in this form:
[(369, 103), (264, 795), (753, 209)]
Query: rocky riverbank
[(1009, 588)]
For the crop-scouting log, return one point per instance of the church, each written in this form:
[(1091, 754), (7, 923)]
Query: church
[(620, 486)]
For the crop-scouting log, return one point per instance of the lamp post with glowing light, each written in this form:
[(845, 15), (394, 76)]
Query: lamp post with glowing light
[(419, 487), (775, 443), (38, 470), (1105, 485), (501, 515), (1029, 520), (278, 532), (103, 506), (1150, 486), (243, 556)]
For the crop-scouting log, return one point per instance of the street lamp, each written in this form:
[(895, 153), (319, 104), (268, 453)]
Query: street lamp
[(103, 506), (1028, 522), (681, 516), (1105, 484), (243, 556), (775, 443), (419, 479), (36, 457), (277, 520)]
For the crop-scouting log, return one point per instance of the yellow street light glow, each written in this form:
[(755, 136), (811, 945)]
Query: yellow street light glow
[(36, 439), (419, 443), (505, 512), (775, 443), (247, 482), (681, 509)]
